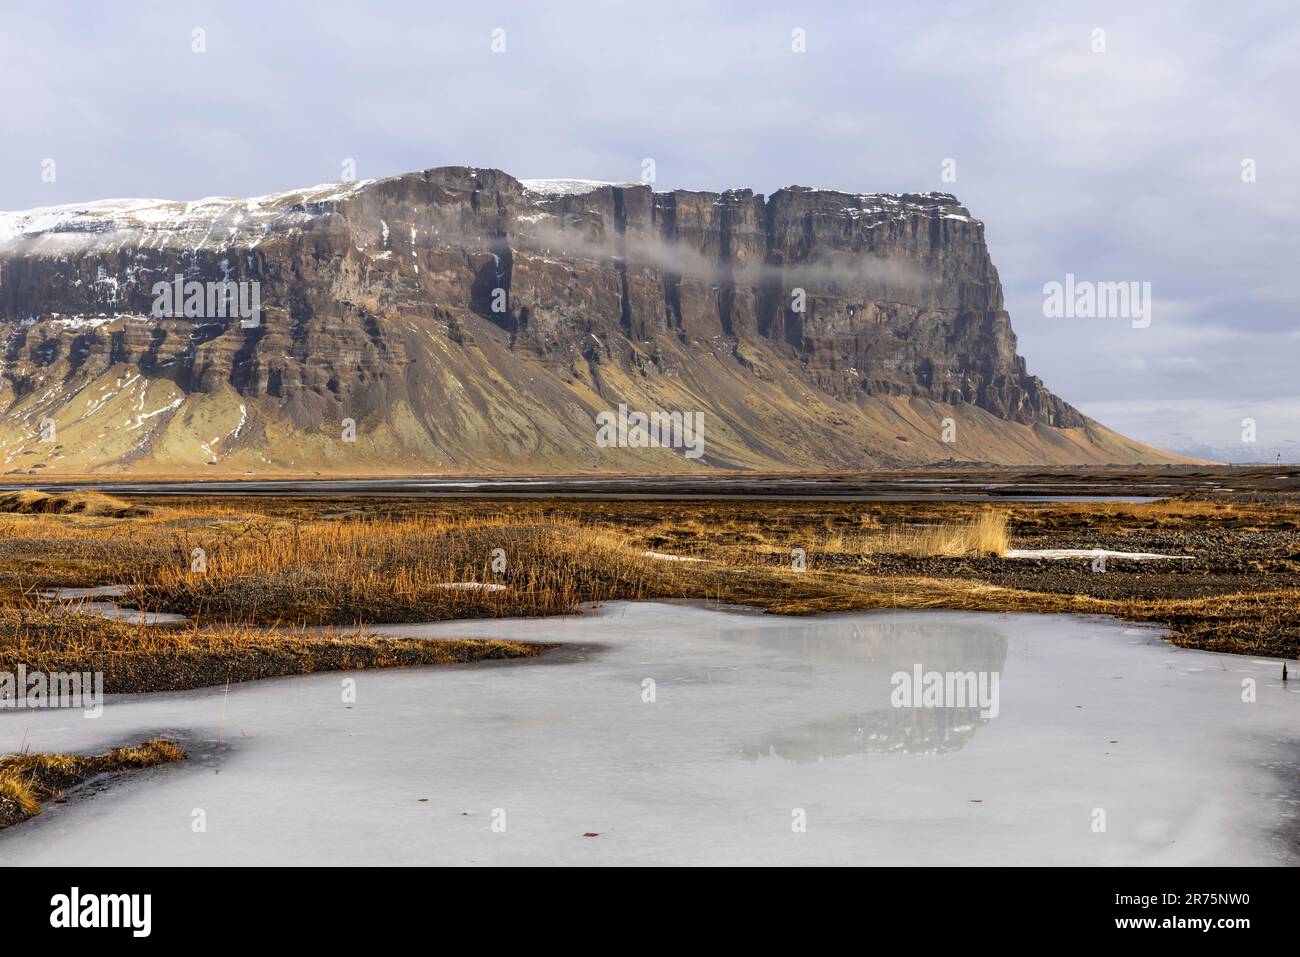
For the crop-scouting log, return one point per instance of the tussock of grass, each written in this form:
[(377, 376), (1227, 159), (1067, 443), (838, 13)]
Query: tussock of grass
[(27, 780), (18, 800), (985, 534), (30, 502)]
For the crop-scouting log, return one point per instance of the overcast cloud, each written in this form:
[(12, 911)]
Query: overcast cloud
[(1122, 165)]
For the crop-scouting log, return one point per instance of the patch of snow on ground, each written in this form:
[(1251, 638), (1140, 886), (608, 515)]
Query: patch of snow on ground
[(1088, 553)]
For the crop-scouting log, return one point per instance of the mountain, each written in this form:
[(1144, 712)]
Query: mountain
[(1243, 454), (461, 320)]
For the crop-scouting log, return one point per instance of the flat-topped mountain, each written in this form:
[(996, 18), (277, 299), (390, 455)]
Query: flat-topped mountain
[(461, 320)]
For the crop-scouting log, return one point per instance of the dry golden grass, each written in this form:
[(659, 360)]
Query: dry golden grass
[(332, 572), (136, 658), (30, 502), (26, 780), (985, 534), (286, 564), (1168, 514), (18, 800)]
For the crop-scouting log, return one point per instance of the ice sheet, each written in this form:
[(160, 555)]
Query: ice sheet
[(754, 718)]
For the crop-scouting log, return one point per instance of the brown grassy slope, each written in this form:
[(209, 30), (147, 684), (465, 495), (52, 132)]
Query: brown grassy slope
[(511, 412)]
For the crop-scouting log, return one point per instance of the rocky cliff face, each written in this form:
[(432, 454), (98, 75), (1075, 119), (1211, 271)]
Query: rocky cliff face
[(464, 320)]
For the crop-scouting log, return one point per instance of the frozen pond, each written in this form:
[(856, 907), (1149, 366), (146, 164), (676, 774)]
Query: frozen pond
[(81, 601), (758, 723)]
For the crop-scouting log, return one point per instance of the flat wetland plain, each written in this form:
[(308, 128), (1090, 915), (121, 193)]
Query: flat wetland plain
[(253, 573), (280, 581)]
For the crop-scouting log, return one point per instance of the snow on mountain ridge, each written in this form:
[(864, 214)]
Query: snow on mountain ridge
[(84, 225)]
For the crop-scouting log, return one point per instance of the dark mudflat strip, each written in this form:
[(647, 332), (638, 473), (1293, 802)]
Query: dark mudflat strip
[(1080, 485)]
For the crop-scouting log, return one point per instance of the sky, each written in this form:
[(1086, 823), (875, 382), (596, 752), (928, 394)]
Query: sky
[(1117, 142)]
